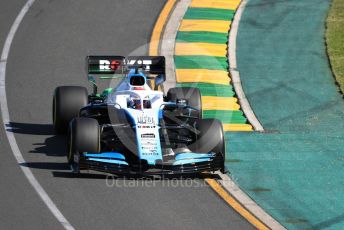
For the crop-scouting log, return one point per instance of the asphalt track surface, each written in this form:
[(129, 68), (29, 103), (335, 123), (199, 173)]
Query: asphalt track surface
[(49, 50)]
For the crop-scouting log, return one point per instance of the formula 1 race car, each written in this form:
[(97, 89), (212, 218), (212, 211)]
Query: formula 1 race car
[(130, 128)]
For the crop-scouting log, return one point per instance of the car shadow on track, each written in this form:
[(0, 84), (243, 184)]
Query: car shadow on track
[(52, 146), (29, 128), (47, 165), (55, 145)]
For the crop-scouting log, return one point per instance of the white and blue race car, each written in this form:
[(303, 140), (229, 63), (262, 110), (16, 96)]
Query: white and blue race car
[(130, 128)]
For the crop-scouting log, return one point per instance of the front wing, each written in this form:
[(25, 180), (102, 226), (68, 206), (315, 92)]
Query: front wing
[(183, 163)]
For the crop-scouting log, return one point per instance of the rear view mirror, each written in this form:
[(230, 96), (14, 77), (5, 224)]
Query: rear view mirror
[(159, 79), (92, 80)]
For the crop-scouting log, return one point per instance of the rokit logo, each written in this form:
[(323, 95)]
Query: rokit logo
[(107, 65)]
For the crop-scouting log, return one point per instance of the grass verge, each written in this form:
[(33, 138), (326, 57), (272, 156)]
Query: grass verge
[(335, 40)]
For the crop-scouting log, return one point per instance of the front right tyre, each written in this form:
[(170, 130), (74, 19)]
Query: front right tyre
[(83, 137)]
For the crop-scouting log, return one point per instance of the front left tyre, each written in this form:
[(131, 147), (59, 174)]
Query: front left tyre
[(209, 137)]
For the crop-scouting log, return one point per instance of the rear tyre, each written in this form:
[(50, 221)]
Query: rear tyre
[(67, 102), (190, 94), (83, 136)]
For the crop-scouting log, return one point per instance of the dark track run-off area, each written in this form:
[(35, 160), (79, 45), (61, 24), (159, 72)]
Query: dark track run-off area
[(49, 50)]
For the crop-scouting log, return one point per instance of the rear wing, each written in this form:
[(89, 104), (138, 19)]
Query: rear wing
[(121, 65), (109, 67)]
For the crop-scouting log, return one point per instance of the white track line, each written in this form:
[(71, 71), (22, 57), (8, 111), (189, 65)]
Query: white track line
[(6, 121), (245, 105)]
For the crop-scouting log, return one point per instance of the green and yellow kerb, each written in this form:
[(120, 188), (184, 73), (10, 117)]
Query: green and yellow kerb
[(201, 60)]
